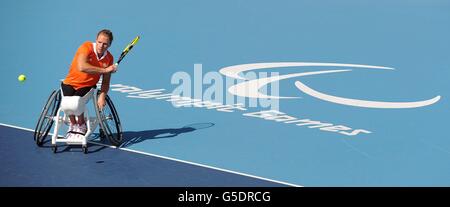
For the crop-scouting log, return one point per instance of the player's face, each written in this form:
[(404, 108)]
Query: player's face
[(102, 43)]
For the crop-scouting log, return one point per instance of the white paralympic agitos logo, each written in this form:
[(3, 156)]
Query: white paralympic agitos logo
[(251, 88)]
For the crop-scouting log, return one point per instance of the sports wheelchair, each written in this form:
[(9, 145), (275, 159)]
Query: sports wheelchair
[(57, 110)]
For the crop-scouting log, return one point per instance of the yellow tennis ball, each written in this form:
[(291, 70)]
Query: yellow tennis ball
[(22, 78)]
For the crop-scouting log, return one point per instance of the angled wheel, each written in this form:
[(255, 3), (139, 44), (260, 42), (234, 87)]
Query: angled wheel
[(45, 120), (110, 122)]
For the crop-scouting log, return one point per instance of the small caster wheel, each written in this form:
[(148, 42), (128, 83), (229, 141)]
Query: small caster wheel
[(39, 143), (54, 148), (85, 149)]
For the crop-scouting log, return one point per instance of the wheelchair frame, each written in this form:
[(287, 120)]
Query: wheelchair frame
[(51, 113)]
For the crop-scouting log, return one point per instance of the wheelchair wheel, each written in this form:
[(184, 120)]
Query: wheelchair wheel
[(102, 134), (110, 122), (45, 120)]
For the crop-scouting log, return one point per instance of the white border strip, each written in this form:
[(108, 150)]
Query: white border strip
[(173, 159), (16, 127)]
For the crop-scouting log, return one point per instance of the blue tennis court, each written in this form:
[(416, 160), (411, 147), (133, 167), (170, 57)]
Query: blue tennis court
[(293, 93)]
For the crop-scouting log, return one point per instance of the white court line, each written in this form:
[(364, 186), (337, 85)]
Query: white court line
[(173, 159)]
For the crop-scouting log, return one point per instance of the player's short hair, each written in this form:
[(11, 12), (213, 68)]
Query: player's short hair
[(108, 33)]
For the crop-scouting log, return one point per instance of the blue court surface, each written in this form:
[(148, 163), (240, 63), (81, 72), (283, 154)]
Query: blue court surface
[(294, 93)]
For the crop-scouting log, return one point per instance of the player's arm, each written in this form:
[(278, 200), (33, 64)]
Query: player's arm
[(104, 90), (105, 83), (85, 67)]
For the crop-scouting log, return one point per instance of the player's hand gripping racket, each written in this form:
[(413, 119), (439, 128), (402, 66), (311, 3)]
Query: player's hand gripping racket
[(127, 49)]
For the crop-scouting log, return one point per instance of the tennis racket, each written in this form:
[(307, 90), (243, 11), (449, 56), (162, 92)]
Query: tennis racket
[(127, 49)]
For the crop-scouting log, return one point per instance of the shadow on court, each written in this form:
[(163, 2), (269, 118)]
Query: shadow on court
[(130, 137)]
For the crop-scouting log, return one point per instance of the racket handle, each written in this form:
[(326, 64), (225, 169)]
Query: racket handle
[(117, 67)]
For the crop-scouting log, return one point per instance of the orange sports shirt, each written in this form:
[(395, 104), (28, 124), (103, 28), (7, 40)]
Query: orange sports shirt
[(78, 79)]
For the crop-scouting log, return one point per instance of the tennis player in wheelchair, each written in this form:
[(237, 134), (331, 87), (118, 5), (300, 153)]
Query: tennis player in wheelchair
[(91, 61)]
